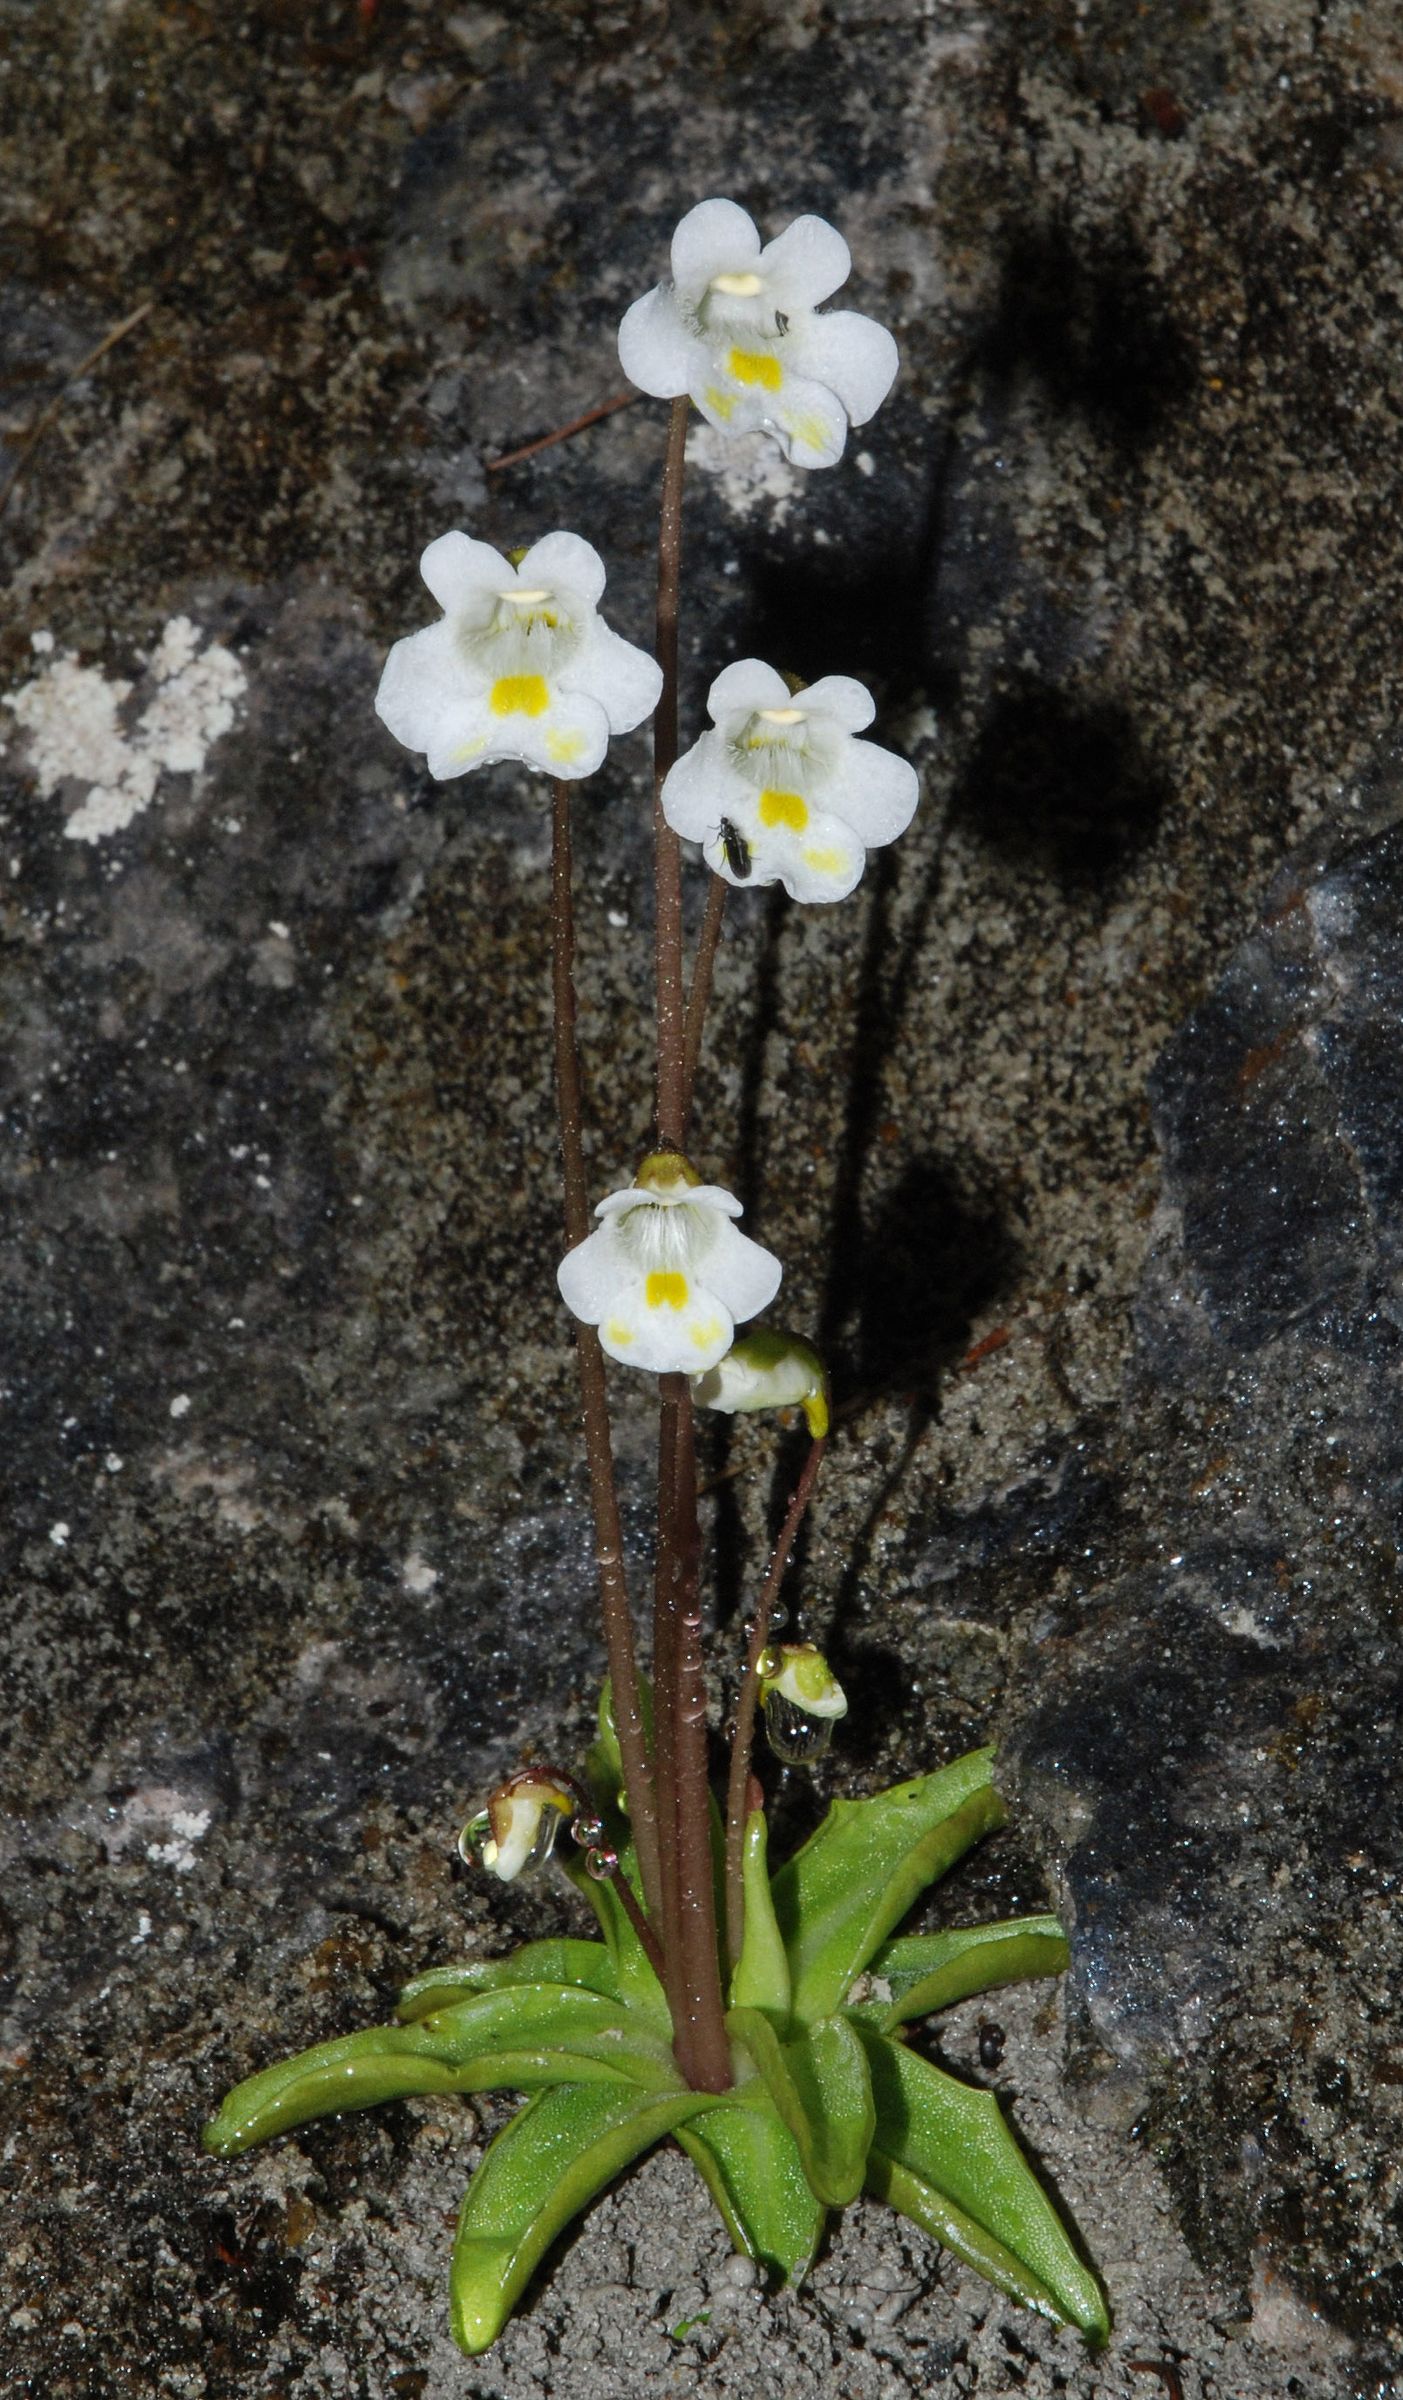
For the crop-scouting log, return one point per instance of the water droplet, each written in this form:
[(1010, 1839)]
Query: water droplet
[(601, 1862), (793, 1734), (475, 1833), (587, 1831)]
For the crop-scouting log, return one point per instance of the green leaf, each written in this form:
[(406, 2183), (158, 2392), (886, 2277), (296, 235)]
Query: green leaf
[(761, 1978), (752, 2168), (839, 1897), (515, 2039), (944, 2156), (634, 1981), (927, 1971), (821, 2087), (563, 1961), (541, 2170)]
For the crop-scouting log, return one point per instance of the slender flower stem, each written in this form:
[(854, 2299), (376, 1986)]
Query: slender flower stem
[(698, 2016), (667, 849), (749, 1695), (648, 1939), (700, 993), (608, 1536)]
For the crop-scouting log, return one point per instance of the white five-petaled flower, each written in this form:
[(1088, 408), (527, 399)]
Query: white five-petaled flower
[(667, 1275), (782, 790), (520, 664), (735, 329)]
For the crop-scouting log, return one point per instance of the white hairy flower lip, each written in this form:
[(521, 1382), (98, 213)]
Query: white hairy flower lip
[(782, 790), (666, 1276), (520, 665), (736, 328)]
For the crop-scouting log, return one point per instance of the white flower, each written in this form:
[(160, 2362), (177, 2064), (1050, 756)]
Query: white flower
[(667, 1275), (516, 1830), (766, 1369), (735, 329), (519, 666), (782, 791)]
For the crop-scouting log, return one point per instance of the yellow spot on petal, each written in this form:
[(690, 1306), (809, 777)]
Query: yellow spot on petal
[(783, 808), (665, 1288), (519, 696), (705, 1336), (812, 433), (473, 749), (738, 287), (620, 1335), (756, 366), (722, 402), (781, 716), (826, 862), (563, 747)]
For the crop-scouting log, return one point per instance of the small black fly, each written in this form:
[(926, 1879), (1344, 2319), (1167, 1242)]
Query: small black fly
[(991, 2044), (737, 849)]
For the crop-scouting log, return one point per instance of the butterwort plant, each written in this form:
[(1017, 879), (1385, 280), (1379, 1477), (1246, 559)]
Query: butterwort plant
[(758, 2014)]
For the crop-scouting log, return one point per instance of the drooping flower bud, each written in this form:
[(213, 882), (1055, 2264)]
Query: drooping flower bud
[(516, 1830), (767, 1369), (803, 1701)]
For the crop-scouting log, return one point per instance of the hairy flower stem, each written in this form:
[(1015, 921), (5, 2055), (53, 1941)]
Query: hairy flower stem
[(749, 1695), (700, 993), (608, 1537), (667, 848), (694, 1983)]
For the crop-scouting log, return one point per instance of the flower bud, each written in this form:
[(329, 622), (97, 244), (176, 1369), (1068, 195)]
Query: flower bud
[(516, 1831), (803, 1700), (767, 1369)]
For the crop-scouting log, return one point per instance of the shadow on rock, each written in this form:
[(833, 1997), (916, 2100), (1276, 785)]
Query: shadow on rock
[(1093, 331), (1062, 782)]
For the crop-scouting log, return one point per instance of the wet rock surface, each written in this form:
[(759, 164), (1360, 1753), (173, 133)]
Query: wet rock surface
[(1078, 1131)]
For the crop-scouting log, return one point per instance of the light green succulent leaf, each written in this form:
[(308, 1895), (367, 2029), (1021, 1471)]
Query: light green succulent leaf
[(943, 2154), (634, 1980), (821, 2087), (507, 2039), (751, 2164), (587, 1964), (542, 2169), (840, 1896), (604, 1763), (927, 1971), (761, 1977)]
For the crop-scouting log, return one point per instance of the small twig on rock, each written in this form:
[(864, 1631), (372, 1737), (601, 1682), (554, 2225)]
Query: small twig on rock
[(562, 433), (47, 415)]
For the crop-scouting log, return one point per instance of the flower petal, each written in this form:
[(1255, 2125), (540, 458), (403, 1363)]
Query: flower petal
[(665, 1340), (841, 697), (568, 739), (715, 1197), (464, 574), (805, 264), (743, 1276), (655, 349), (697, 790), (824, 862), (808, 421), (853, 355), (425, 685), (566, 563), (590, 1275), (746, 685), (873, 791), (714, 238), (626, 681)]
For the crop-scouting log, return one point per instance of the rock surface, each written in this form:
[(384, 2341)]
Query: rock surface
[(1078, 1130)]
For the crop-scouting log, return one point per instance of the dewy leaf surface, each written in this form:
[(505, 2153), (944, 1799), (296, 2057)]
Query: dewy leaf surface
[(927, 1971), (516, 2038), (753, 2170), (761, 1978), (541, 2170), (822, 2089), (840, 1896), (944, 2156), (561, 1961)]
